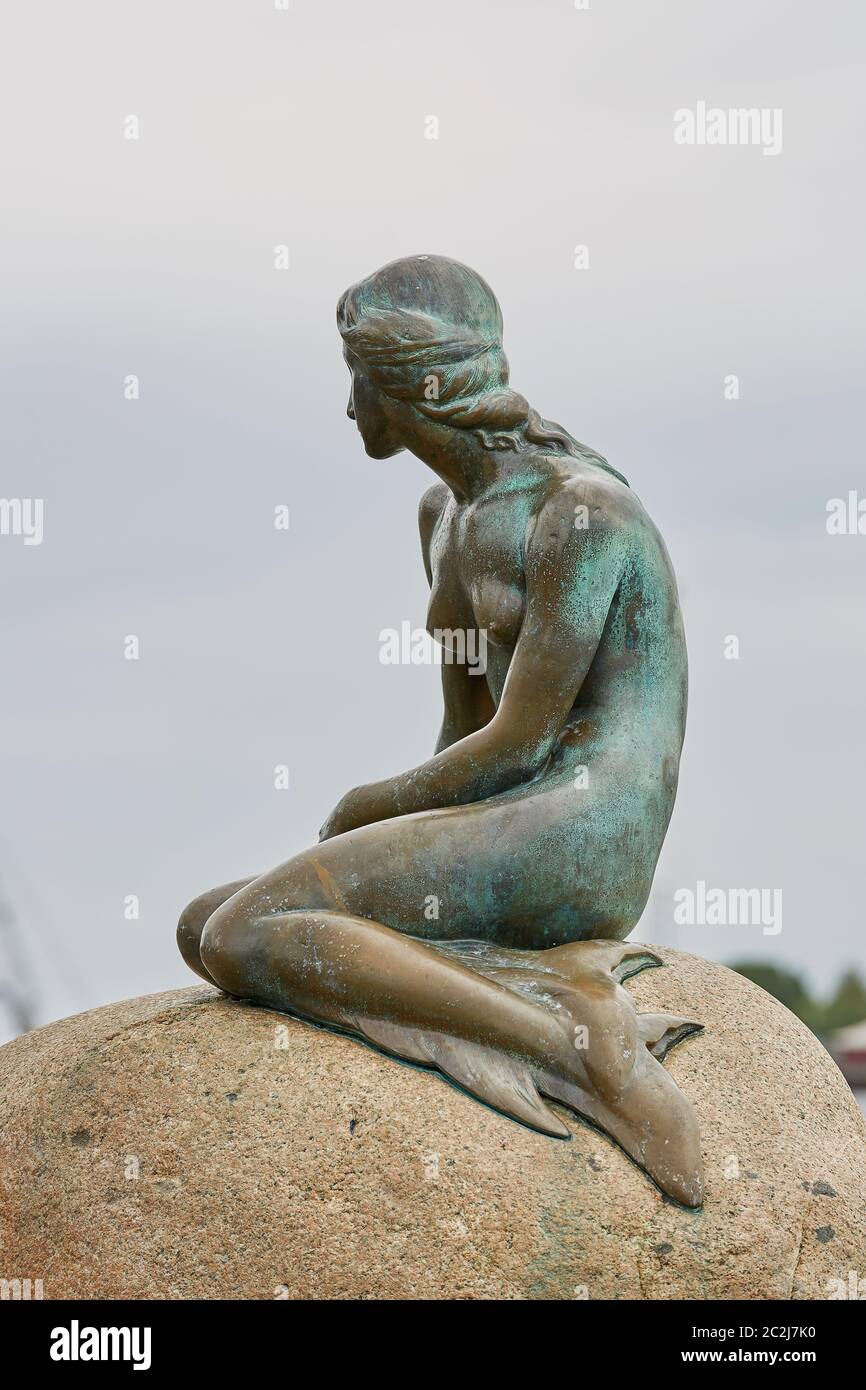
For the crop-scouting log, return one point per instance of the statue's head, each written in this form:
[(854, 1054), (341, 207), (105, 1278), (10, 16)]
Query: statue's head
[(423, 341), (426, 332)]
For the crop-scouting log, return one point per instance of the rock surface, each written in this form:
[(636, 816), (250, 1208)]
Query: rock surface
[(185, 1146)]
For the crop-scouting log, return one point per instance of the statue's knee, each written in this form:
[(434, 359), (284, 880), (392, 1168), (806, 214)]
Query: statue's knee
[(227, 946), (197, 914), (189, 929)]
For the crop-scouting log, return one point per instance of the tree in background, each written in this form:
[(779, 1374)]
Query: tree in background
[(784, 985), (846, 1005)]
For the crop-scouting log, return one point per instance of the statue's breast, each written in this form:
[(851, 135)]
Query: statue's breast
[(499, 607), (448, 610)]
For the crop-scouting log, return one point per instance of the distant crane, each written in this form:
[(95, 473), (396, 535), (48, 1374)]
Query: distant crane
[(18, 993)]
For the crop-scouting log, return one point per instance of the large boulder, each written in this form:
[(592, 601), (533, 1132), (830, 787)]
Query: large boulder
[(185, 1146)]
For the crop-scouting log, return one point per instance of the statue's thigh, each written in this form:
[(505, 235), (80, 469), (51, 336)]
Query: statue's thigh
[(508, 869)]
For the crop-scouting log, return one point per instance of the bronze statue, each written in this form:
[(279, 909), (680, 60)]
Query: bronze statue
[(468, 914)]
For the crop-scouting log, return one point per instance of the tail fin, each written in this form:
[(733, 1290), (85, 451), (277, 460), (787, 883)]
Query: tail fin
[(661, 1032), (488, 1074)]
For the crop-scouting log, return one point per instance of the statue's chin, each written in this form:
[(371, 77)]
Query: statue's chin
[(382, 451)]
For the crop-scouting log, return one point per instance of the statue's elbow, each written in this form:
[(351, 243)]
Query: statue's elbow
[(520, 761)]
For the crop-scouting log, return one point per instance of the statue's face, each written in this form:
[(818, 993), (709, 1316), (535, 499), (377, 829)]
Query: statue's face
[(373, 413)]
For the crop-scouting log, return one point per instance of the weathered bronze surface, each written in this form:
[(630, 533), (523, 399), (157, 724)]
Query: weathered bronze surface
[(467, 914)]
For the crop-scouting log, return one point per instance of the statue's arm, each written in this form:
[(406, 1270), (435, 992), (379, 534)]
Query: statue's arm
[(572, 577), (468, 704)]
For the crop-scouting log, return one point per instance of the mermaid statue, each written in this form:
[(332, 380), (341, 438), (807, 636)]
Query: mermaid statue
[(470, 914)]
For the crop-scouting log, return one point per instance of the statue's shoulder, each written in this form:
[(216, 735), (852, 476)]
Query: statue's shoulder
[(430, 509), (586, 495)]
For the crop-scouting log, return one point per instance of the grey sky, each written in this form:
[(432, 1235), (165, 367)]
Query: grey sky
[(155, 257)]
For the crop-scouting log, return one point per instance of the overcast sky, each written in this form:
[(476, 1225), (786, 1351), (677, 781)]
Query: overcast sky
[(154, 257)]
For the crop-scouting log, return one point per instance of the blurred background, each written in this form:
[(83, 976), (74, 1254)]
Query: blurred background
[(187, 188)]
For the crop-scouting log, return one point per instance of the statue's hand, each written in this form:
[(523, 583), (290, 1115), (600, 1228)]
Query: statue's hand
[(357, 807)]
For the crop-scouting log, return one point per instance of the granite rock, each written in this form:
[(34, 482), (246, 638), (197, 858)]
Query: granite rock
[(183, 1145)]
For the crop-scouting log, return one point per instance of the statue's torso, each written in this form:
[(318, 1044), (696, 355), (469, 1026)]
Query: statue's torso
[(633, 700)]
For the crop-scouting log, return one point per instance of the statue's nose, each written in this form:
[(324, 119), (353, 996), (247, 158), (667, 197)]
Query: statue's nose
[(350, 409)]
